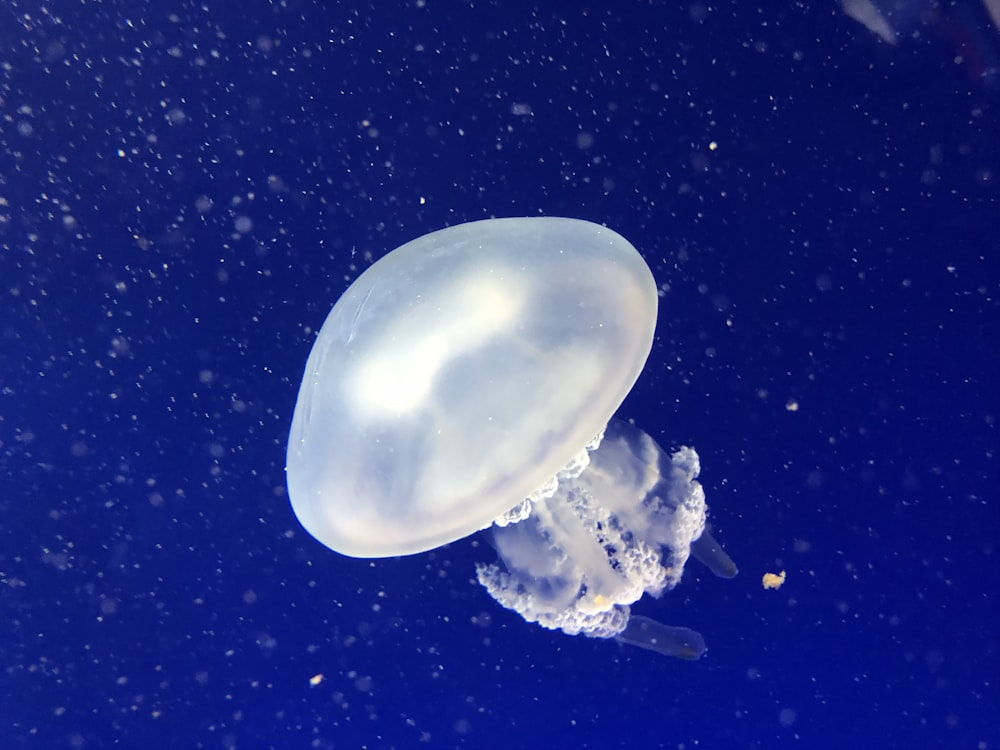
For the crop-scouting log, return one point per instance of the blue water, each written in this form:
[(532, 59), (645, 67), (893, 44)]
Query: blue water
[(184, 193)]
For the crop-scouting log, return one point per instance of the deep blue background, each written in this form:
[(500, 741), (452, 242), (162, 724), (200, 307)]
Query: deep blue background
[(184, 193)]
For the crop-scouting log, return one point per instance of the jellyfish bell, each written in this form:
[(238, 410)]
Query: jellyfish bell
[(461, 381), (458, 374)]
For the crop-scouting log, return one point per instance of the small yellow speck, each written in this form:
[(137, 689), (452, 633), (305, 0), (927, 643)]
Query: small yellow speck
[(315, 680), (773, 580)]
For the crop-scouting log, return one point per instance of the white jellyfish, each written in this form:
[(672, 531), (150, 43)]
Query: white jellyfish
[(466, 380)]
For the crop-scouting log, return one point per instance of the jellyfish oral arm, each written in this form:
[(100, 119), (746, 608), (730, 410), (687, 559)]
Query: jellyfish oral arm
[(706, 550), (681, 643), (623, 526)]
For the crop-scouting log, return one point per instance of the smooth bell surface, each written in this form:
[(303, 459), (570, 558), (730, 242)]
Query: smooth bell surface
[(458, 374)]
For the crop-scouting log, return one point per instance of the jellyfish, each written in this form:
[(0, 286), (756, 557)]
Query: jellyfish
[(467, 381)]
